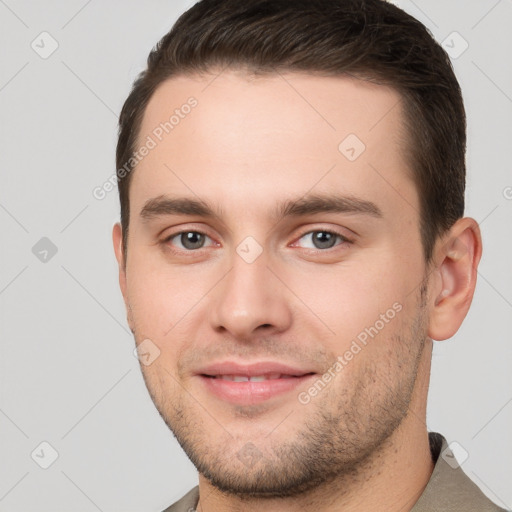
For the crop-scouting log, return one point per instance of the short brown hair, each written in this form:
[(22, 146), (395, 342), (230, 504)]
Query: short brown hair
[(370, 39)]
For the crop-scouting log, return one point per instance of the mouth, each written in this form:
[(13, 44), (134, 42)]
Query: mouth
[(252, 378), (252, 384)]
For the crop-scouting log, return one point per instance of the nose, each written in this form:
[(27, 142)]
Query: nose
[(250, 300)]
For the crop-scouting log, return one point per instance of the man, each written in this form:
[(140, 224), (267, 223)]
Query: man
[(292, 239)]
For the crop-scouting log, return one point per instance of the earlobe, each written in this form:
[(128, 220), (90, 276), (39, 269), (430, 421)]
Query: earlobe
[(117, 239), (458, 256)]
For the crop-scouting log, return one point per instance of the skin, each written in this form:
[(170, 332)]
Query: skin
[(251, 143)]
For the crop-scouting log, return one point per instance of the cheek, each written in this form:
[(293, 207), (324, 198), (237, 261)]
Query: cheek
[(350, 297), (161, 295)]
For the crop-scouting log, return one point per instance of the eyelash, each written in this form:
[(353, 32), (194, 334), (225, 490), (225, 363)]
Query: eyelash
[(344, 240)]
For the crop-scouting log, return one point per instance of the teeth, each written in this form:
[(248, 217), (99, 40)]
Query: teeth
[(259, 378), (255, 378)]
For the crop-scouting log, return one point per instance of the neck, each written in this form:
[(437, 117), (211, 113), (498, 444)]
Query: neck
[(392, 478)]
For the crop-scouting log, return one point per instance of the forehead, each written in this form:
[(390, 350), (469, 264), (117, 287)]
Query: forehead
[(230, 134)]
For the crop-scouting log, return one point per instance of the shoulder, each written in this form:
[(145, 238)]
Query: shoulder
[(449, 488), (186, 504)]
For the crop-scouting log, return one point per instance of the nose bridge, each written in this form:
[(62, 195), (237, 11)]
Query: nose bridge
[(249, 296)]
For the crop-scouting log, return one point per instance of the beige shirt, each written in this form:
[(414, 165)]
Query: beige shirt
[(448, 490)]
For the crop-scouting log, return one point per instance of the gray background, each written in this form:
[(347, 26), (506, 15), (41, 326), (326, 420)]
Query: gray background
[(68, 375)]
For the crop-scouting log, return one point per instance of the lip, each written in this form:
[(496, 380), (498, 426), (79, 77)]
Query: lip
[(247, 392), (253, 369)]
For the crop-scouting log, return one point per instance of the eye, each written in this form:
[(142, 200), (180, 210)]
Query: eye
[(322, 239), (188, 240)]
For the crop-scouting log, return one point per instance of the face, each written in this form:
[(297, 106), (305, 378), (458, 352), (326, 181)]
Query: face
[(275, 274)]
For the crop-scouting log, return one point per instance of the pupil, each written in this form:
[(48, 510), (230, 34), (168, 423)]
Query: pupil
[(323, 240), (192, 240)]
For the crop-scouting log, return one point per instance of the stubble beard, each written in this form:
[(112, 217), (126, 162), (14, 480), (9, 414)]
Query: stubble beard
[(341, 440)]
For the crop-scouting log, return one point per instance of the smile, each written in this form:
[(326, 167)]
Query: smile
[(253, 378)]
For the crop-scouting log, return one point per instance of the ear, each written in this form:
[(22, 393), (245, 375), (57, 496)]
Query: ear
[(456, 260), (117, 239)]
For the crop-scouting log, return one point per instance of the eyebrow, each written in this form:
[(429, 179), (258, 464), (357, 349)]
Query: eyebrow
[(307, 205)]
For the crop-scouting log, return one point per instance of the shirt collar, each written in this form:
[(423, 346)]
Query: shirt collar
[(449, 488)]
